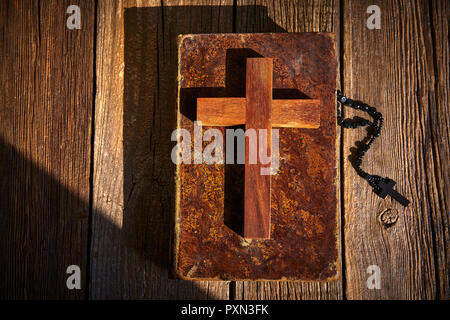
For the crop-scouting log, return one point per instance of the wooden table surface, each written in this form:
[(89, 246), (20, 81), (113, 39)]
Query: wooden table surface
[(85, 123)]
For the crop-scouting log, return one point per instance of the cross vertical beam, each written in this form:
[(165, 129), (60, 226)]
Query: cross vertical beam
[(258, 116)]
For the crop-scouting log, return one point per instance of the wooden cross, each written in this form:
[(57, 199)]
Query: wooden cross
[(258, 111)]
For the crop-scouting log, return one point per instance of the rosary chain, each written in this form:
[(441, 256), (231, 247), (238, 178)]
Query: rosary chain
[(376, 125)]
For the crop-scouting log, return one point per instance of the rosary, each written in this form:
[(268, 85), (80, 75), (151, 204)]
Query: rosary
[(381, 186)]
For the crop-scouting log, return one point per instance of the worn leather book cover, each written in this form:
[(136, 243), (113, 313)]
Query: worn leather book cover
[(304, 233)]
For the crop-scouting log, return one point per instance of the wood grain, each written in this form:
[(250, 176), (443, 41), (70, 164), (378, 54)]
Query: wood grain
[(291, 16), (46, 92), (134, 118), (258, 113), (440, 126), (286, 113), (401, 83)]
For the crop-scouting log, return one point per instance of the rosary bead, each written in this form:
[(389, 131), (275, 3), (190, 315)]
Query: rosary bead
[(374, 131)]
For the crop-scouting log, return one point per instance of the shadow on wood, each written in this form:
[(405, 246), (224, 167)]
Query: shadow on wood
[(35, 209)]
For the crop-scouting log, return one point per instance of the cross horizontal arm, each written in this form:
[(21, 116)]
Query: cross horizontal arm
[(290, 113)]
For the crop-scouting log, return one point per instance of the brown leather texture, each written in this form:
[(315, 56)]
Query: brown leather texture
[(303, 244)]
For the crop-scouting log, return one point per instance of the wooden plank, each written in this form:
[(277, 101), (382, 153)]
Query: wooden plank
[(258, 116), (289, 113), (46, 95), (291, 16), (134, 119), (400, 83), (440, 125)]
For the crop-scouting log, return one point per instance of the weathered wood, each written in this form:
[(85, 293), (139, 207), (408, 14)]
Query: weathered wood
[(286, 113), (292, 16), (440, 126), (134, 118), (257, 116), (401, 83), (46, 98)]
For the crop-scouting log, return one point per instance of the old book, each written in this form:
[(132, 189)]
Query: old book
[(231, 222)]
